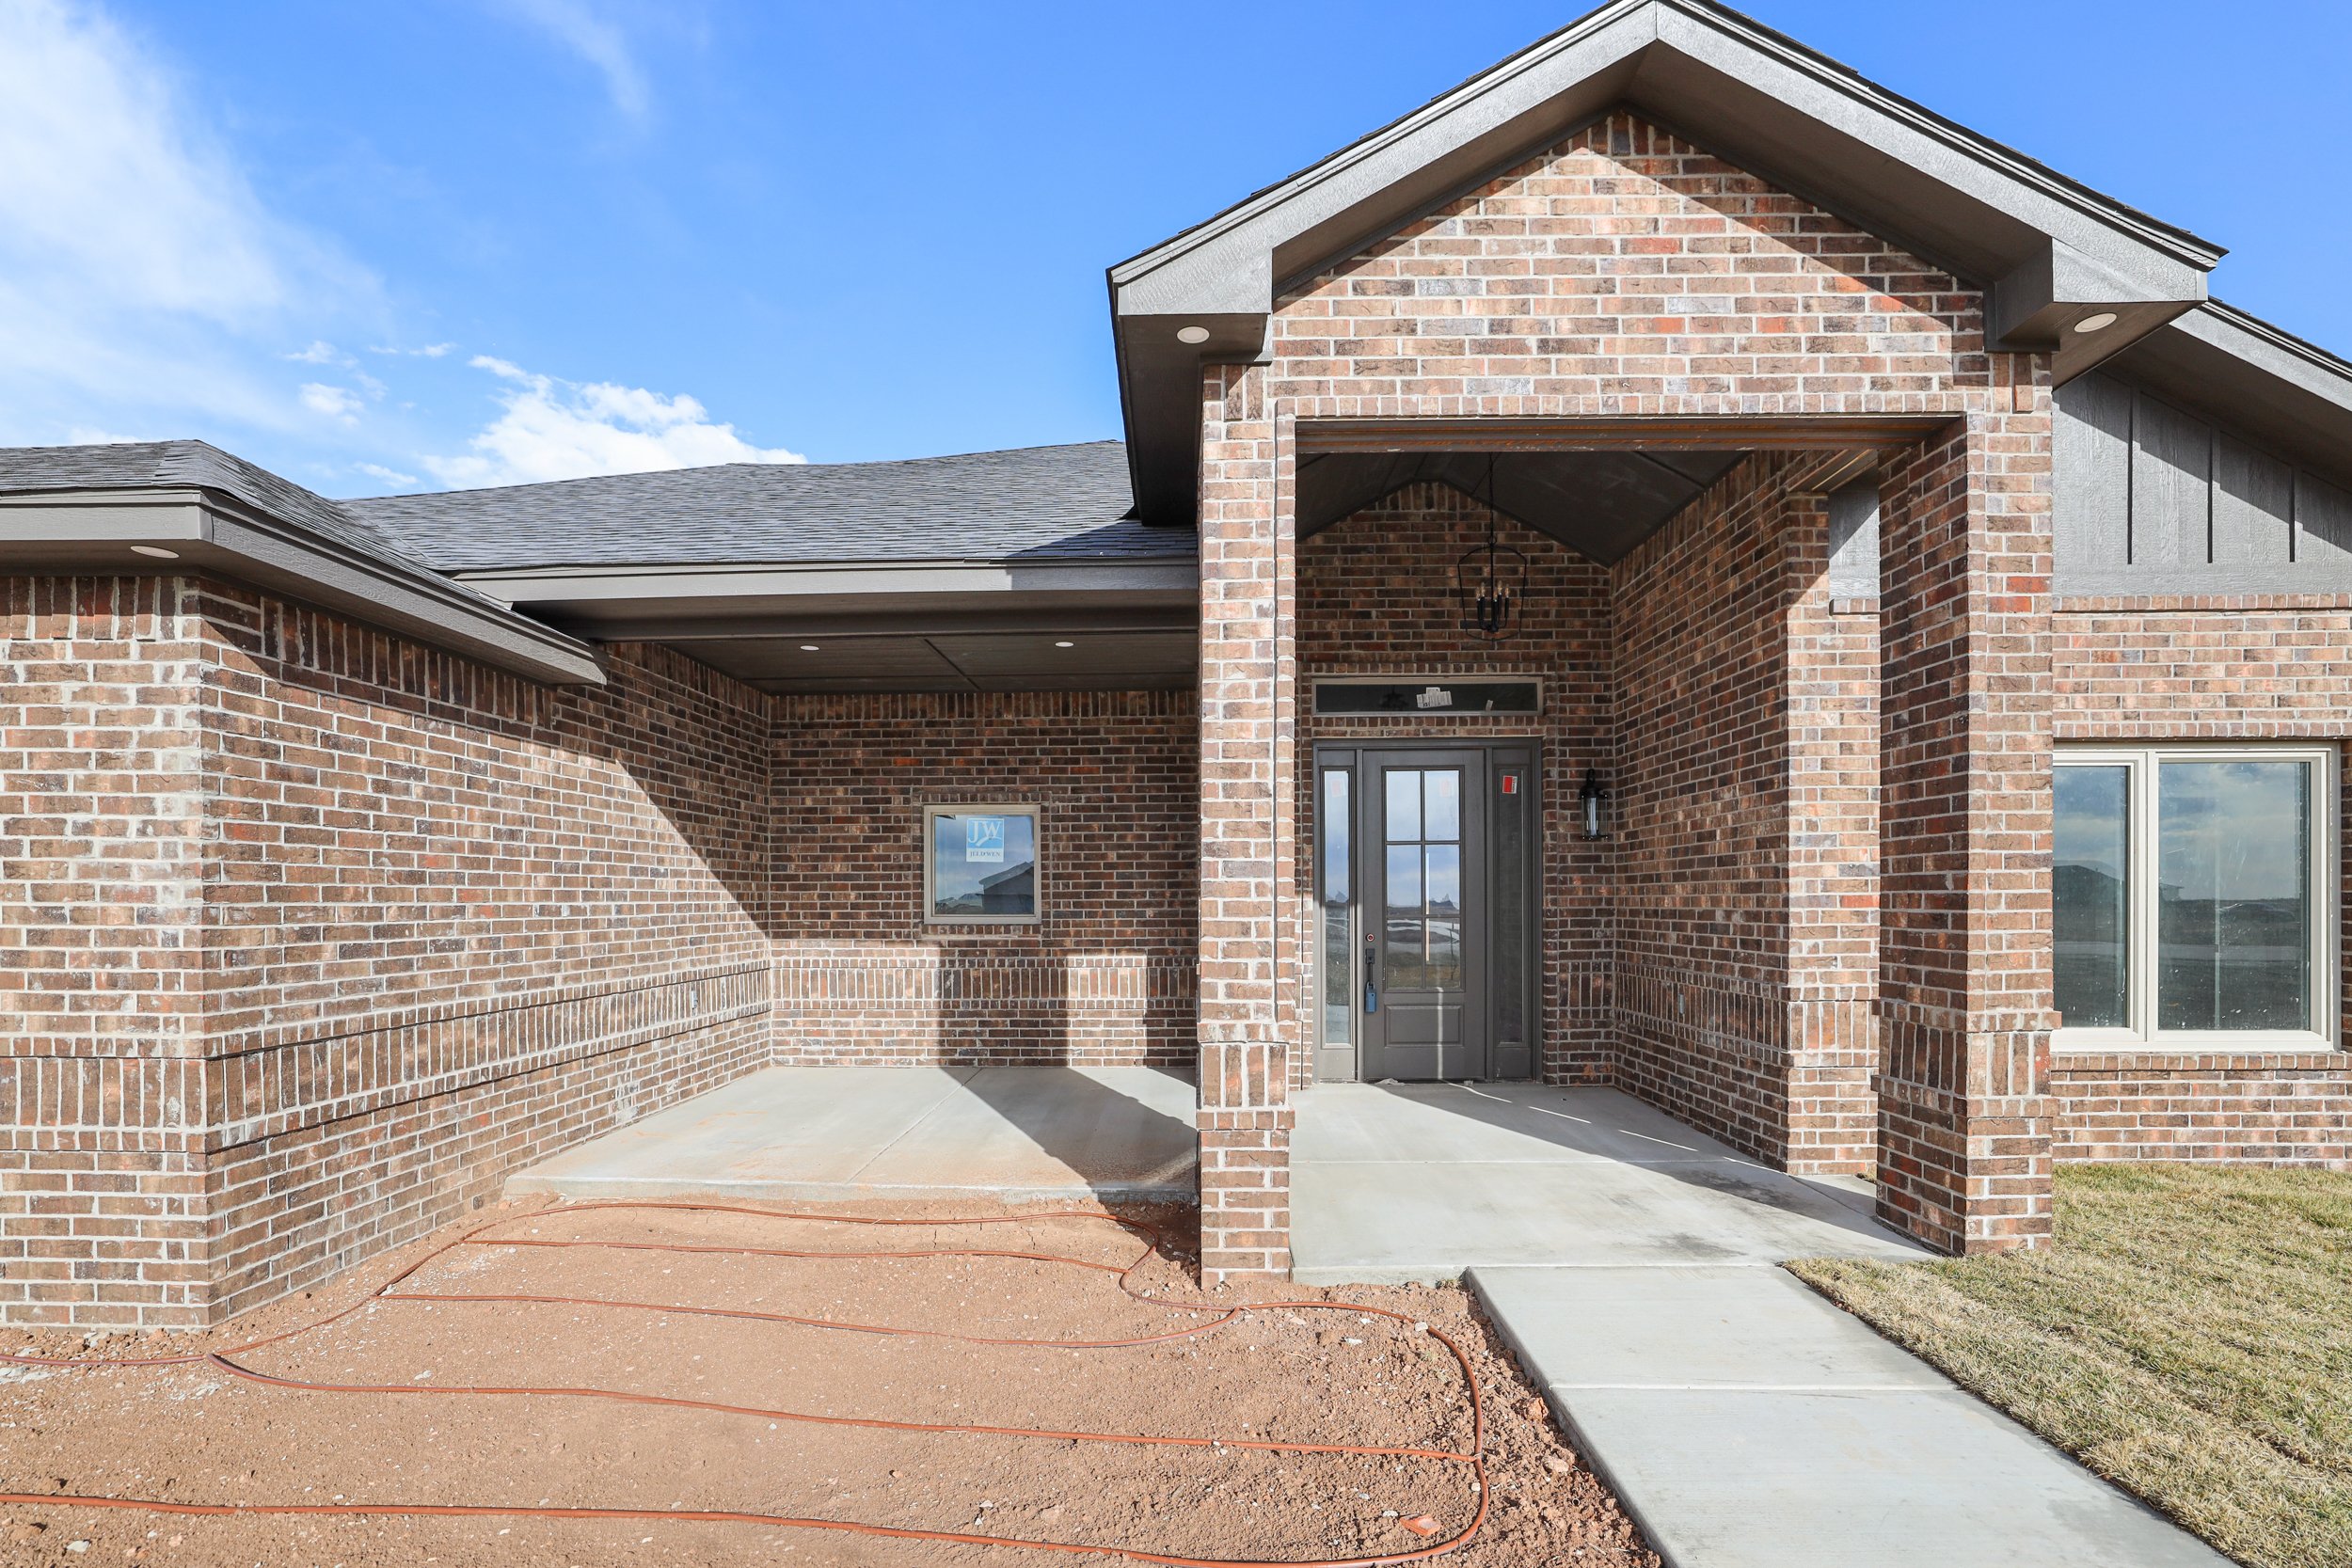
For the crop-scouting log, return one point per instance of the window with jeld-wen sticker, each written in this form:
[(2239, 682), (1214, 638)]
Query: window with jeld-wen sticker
[(980, 864)]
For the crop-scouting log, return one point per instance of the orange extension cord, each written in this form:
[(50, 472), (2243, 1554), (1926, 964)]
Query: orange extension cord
[(390, 1290)]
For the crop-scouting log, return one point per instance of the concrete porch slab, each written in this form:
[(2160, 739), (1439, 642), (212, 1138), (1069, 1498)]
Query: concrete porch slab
[(830, 1134), (1419, 1183)]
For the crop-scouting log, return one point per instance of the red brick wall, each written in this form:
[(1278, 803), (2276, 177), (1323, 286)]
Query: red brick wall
[(103, 1083), (380, 925), (1375, 596), (1747, 749), (1106, 978), (2189, 669)]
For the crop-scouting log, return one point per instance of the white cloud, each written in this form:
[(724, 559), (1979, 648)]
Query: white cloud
[(319, 353), (596, 39), (140, 275), (392, 477), (336, 403), (553, 429), (430, 351), (88, 436)]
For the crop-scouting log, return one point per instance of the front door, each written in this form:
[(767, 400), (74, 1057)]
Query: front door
[(1426, 891)]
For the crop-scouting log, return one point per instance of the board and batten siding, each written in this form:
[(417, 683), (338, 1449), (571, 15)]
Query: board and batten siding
[(2152, 499)]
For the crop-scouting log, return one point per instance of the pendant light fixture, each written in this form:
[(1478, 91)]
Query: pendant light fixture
[(1490, 580)]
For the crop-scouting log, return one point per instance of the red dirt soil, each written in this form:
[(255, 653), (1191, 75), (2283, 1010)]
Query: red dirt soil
[(412, 1423)]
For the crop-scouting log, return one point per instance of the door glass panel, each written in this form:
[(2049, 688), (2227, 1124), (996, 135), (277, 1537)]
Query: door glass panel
[(2233, 895), (1443, 879), (1422, 859), (1405, 889), (1442, 790), (2090, 893), (1443, 952), (1403, 806), (1333, 832)]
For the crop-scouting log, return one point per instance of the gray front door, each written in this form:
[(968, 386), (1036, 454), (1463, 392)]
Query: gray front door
[(1424, 822), (1425, 911)]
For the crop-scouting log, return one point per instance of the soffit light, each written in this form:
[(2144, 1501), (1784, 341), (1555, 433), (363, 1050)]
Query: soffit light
[(808, 647), (1192, 334), (1065, 644), (2098, 320), (1490, 580), (156, 550)]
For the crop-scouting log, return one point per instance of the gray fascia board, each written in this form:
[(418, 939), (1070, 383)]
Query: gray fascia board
[(1231, 262), (720, 586), (1942, 150), (1955, 198), (93, 530)]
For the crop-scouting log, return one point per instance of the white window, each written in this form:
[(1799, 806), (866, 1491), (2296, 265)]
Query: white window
[(2194, 889), (980, 864)]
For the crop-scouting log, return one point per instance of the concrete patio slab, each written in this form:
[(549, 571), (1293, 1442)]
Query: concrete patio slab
[(1419, 1183), (819, 1134)]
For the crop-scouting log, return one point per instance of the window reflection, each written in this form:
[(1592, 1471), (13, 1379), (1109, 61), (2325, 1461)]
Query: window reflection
[(1422, 922), (2090, 886), (2233, 906), (1334, 827)]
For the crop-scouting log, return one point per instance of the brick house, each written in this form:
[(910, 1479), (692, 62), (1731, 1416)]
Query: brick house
[(1667, 566)]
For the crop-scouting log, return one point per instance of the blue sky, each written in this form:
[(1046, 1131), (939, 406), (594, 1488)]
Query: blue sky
[(382, 246)]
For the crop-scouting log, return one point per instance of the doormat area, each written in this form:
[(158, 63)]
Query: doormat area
[(647, 1383)]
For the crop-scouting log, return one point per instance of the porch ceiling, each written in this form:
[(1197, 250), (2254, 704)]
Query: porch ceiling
[(1599, 504)]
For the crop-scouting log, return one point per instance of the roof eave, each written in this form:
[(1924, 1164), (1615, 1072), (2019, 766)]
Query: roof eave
[(210, 532), (2048, 249), (2256, 379)]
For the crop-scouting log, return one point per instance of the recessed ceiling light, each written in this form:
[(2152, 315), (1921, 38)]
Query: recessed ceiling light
[(808, 647), (156, 550), (1065, 644), (1192, 334), (2098, 320)]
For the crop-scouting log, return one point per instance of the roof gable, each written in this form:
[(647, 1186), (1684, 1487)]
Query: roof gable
[(2045, 249)]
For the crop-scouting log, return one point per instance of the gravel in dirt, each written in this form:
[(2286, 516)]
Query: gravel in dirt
[(493, 1399)]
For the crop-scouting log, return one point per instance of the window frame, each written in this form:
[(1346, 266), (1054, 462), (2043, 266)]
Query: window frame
[(1034, 811), (2143, 845)]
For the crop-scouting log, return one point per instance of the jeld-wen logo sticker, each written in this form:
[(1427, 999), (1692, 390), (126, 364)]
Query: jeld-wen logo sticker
[(984, 840)]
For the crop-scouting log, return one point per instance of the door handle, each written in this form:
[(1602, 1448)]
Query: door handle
[(1371, 976)]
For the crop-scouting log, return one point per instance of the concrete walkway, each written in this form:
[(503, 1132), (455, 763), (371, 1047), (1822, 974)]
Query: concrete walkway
[(1630, 1262), (827, 1135)]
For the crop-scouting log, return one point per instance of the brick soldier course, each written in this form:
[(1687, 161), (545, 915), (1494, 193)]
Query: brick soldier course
[(336, 891)]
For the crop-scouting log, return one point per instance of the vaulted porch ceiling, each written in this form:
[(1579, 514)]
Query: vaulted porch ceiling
[(1600, 504)]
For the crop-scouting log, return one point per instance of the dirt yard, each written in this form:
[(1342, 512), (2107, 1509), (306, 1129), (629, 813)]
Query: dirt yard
[(653, 1364)]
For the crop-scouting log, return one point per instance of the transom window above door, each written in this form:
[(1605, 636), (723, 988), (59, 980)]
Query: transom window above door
[(2194, 890)]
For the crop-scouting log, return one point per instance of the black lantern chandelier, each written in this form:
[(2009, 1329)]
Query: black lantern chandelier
[(1490, 582)]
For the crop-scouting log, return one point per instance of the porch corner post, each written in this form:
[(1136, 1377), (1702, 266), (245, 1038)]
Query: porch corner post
[(1965, 995), (1247, 674)]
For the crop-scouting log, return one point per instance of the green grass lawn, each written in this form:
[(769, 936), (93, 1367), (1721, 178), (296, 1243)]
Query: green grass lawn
[(2189, 1337)]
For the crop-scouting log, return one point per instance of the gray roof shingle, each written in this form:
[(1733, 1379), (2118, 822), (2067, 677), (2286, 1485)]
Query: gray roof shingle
[(1032, 503)]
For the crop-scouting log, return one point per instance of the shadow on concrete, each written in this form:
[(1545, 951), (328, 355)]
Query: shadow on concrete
[(1614, 1126), (1103, 1124)]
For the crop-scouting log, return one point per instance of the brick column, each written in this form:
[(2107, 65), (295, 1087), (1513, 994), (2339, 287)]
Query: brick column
[(1964, 1001), (1247, 672), (1833, 703)]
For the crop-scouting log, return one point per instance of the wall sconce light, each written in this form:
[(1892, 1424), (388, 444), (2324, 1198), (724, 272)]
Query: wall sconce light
[(1595, 798)]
